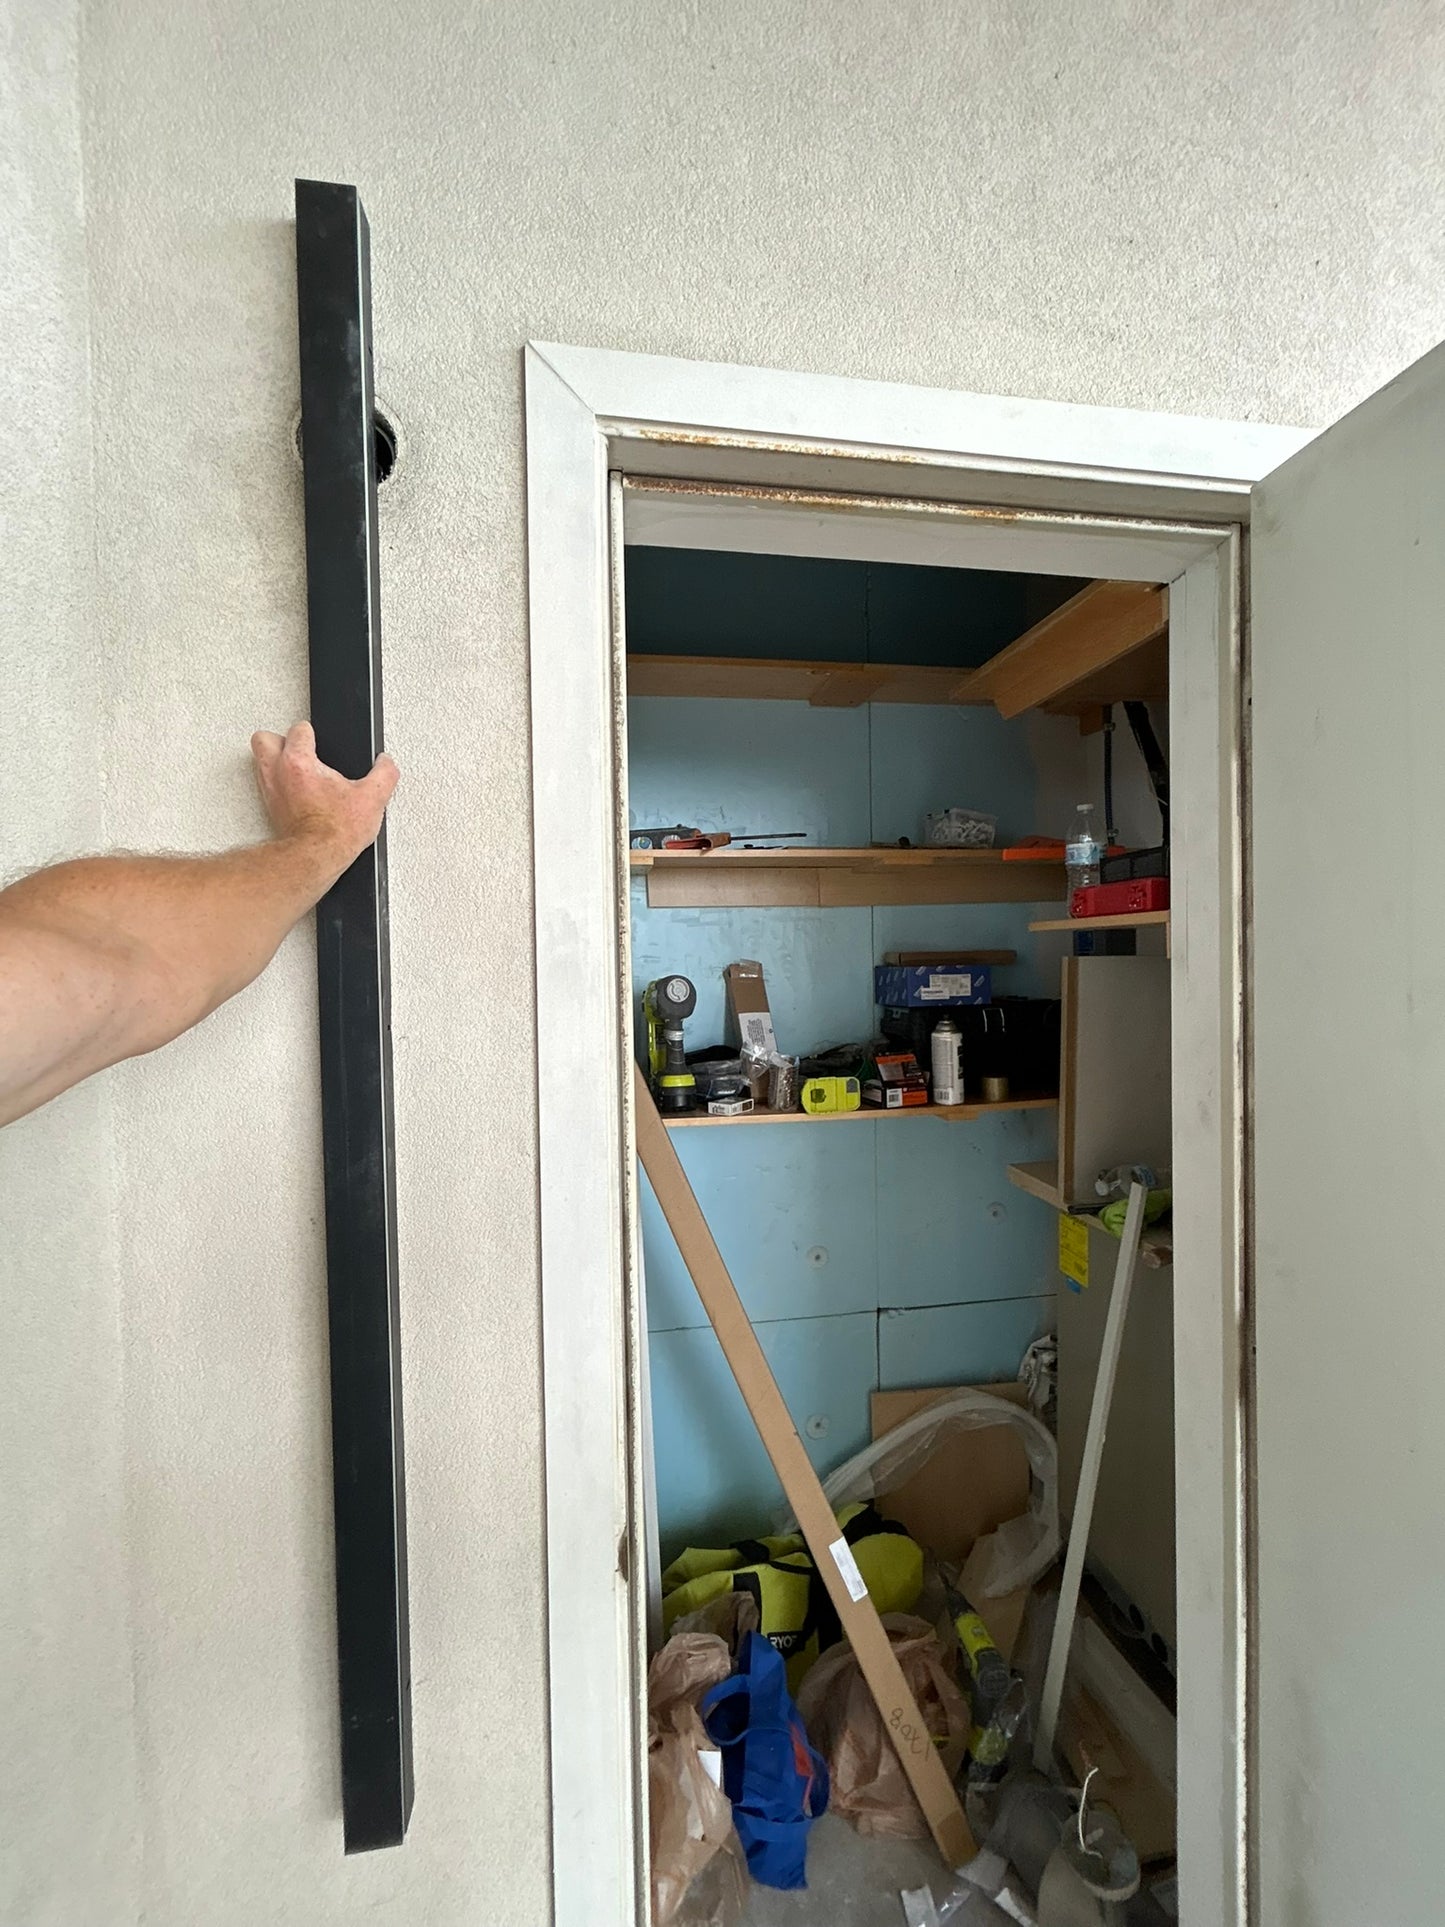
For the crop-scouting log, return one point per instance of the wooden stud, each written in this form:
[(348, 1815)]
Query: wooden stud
[(857, 1615)]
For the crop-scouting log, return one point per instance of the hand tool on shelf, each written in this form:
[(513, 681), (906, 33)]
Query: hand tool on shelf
[(666, 1002), (682, 836)]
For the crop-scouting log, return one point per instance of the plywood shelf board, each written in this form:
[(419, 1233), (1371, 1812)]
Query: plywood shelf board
[(826, 685), (1140, 676), (1107, 644), (807, 857), (840, 879), (950, 1113), (1135, 920), (1116, 1096), (1070, 653), (1041, 1180)]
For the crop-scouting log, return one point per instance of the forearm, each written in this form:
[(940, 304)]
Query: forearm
[(110, 957), (199, 929)]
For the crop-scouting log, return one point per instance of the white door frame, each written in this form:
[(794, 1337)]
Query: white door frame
[(589, 412)]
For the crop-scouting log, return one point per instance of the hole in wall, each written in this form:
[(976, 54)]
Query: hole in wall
[(384, 440)]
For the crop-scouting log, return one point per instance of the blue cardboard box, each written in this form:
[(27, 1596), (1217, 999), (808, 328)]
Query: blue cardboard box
[(931, 986)]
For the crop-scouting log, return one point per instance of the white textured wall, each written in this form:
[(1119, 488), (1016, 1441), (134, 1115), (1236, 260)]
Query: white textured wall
[(1212, 206), (69, 1841)]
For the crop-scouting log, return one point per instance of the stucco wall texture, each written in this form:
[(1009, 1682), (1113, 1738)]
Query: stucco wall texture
[(1206, 205)]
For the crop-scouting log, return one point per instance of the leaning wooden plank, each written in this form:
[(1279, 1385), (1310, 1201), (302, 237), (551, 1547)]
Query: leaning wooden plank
[(1099, 626), (857, 1615)]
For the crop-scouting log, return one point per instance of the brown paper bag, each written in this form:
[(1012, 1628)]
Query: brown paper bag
[(870, 1788), (691, 1818), (732, 1616)]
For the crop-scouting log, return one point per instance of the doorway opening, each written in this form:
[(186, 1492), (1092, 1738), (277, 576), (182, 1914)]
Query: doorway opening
[(757, 464), (894, 753)]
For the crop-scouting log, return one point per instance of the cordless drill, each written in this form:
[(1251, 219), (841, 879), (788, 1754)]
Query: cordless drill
[(666, 1002)]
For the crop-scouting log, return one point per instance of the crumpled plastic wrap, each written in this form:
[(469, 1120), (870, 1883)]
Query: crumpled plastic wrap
[(870, 1788), (691, 1819), (1021, 1549), (732, 1616)]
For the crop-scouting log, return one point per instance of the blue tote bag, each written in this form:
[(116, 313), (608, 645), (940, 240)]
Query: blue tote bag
[(778, 1785)]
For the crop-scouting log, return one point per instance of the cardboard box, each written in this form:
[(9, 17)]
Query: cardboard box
[(1089, 1738), (898, 1084), (975, 1480), (931, 986), (749, 1021), (950, 956)]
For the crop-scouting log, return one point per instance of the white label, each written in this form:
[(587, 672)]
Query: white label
[(1083, 854), (939, 987), (755, 1029), (848, 1566), (711, 1763)]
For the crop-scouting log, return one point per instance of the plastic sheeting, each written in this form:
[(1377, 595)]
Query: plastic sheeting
[(1021, 1549)]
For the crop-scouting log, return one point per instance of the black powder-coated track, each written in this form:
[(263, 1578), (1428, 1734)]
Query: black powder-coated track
[(333, 287)]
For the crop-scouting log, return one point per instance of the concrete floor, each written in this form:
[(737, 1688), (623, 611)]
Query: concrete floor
[(852, 1881)]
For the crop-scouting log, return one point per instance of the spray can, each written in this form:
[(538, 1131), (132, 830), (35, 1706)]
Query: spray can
[(947, 1062)]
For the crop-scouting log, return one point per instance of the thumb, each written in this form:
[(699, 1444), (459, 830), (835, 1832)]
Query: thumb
[(382, 779), (266, 746)]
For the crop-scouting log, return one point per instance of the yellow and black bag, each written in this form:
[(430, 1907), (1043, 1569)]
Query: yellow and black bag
[(794, 1611)]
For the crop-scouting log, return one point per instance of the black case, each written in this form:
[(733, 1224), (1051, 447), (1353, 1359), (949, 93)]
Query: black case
[(1134, 864), (1014, 1037)]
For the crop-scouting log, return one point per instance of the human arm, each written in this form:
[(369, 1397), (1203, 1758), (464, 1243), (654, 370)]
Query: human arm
[(108, 957)]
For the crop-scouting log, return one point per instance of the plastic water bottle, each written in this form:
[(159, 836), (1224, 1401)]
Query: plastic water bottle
[(1082, 849)]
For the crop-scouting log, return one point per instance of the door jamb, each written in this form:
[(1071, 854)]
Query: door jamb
[(590, 411)]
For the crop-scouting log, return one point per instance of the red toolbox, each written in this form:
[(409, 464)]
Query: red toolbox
[(1120, 899)]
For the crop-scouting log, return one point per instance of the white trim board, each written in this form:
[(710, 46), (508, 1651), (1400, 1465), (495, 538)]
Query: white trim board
[(691, 407), (588, 411)]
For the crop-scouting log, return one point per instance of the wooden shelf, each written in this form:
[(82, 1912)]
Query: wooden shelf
[(826, 685), (840, 879), (1156, 1246), (1088, 651), (1107, 644), (1137, 920), (950, 1113), (1039, 1180)]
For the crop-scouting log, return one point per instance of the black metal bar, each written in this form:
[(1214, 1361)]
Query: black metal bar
[(333, 287)]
